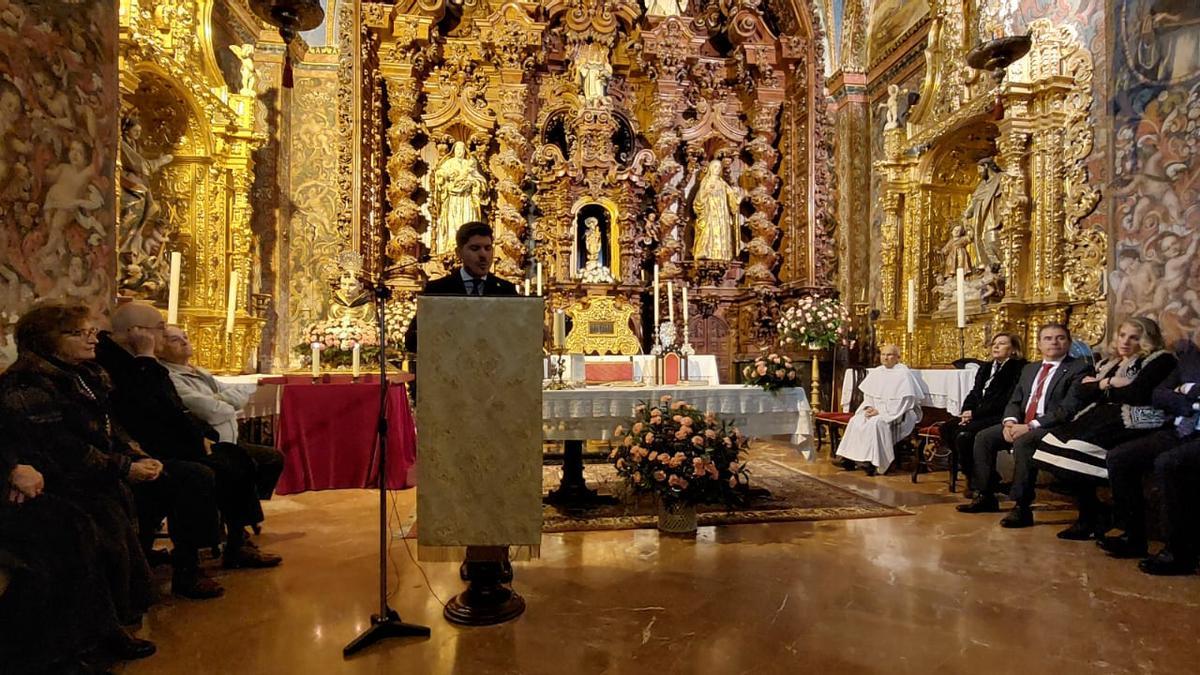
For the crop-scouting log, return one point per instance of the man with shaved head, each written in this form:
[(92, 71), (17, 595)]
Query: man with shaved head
[(200, 478), (890, 410)]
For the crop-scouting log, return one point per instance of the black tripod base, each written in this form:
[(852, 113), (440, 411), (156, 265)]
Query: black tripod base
[(382, 628)]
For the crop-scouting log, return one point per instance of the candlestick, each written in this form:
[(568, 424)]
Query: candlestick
[(912, 305), (231, 305), (671, 301), (655, 321), (173, 289), (961, 296), (685, 312), (539, 278), (316, 360), (560, 328), (355, 355)]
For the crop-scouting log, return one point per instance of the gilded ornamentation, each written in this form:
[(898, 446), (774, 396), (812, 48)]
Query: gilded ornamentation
[(404, 214), (716, 208), (601, 326), (764, 232), (459, 191)]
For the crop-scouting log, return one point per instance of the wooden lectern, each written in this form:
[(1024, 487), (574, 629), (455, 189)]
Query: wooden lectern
[(479, 443)]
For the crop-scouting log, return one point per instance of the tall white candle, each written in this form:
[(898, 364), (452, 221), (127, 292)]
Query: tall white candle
[(231, 305), (960, 280), (912, 305), (355, 355), (316, 360), (539, 278), (670, 301), (560, 328), (685, 309), (656, 312), (173, 289), (526, 287)]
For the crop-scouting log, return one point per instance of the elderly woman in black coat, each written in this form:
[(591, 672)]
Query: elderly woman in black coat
[(74, 535)]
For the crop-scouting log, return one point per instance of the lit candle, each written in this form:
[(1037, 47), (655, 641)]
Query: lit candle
[(355, 355), (912, 305), (173, 289), (670, 301), (526, 287), (232, 304), (560, 328), (539, 278), (316, 360), (685, 309), (655, 295), (961, 296)]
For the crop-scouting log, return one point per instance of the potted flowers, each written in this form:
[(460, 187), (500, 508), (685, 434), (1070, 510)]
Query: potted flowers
[(771, 372), (683, 456), (816, 323)]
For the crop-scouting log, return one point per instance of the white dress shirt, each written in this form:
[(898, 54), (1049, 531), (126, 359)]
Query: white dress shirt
[(469, 281), (1041, 409)]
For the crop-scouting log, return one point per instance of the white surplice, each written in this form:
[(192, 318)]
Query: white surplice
[(896, 393)]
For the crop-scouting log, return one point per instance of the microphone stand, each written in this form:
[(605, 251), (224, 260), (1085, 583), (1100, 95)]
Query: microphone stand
[(387, 623)]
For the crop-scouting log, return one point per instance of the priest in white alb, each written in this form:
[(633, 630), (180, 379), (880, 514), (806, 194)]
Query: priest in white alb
[(889, 412)]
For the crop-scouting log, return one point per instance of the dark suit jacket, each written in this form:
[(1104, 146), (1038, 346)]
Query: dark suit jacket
[(453, 284), (989, 404), (1186, 370), (1062, 392)]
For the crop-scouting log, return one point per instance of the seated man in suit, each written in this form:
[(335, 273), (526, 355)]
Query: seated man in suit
[(1172, 457), (984, 406), (1046, 396), (217, 404), (889, 412)]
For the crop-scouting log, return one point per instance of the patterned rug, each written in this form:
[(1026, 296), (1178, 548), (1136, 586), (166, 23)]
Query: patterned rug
[(793, 496)]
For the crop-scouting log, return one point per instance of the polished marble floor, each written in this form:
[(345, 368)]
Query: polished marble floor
[(934, 592)]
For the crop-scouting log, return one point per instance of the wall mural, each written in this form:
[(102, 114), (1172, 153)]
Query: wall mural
[(58, 136), (1156, 163), (890, 21)]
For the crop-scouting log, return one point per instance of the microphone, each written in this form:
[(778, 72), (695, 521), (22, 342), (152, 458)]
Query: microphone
[(421, 259)]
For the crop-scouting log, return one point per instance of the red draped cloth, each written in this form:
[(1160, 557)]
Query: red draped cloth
[(326, 433)]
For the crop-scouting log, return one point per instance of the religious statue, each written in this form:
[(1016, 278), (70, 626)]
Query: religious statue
[(594, 270), (459, 191), (142, 235), (892, 107), (957, 252), (593, 71), (245, 54), (982, 216), (666, 7), (716, 210), (350, 299)]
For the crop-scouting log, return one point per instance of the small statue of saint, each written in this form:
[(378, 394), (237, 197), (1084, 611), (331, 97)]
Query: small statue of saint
[(245, 54), (349, 298), (716, 208), (666, 7), (594, 269), (982, 215), (957, 252), (593, 71), (141, 234), (459, 192), (892, 107)]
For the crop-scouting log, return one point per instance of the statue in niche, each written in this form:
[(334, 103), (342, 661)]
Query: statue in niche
[(666, 7), (595, 271), (349, 297), (982, 215), (459, 192), (957, 252), (592, 72), (142, 234), (716, 208), (245, 54)]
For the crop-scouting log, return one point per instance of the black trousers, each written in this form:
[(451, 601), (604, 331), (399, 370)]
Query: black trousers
[(1174, 465), (960, 438), (268, 466), (236, 485), (989, 443), (184, 494)]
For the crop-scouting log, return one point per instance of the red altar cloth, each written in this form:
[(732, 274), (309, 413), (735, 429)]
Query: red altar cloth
[(326, 433)]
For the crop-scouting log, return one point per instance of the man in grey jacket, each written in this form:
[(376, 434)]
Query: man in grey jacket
[(217, 404)]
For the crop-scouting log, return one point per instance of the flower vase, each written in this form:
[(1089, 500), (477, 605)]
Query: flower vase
[(676, 518)]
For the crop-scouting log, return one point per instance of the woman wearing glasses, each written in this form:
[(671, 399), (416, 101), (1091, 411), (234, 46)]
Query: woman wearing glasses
[(67, 521)]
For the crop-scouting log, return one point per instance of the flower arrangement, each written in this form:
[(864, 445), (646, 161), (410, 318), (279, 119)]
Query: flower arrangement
[(336, 337), (814, 322), (771, 372), (682, 455)]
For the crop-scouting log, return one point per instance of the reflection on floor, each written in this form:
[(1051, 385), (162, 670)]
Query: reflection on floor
[(936, 592)]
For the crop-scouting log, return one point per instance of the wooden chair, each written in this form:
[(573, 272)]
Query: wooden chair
[(926, 440), (835, 422)]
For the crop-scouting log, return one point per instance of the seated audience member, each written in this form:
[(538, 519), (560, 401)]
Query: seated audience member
[(1118, 399), (984, 406), (1046, 396), (1172, 458), (148, 407), (66, 513), (216, 404), (889, 412)]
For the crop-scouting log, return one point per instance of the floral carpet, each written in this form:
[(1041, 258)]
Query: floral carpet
[(780, 493)]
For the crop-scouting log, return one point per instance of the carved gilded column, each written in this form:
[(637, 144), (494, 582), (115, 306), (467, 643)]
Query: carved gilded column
[(764, 231)]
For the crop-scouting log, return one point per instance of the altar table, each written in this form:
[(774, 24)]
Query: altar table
[(944, 388), (327, 435)]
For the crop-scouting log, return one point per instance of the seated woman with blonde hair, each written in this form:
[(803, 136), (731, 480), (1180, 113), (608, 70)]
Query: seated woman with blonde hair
[(1118, 409)]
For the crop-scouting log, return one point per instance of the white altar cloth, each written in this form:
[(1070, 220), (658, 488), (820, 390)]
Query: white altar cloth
[(701, 367), (944, 388), (593, 412)]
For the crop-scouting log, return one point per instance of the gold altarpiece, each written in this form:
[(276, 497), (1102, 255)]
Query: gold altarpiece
[(171, 82), (587, 108), (1035, 124)]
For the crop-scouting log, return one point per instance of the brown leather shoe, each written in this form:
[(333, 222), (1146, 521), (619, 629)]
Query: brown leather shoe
[(125, 647), (248, 557), (196, 585)]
